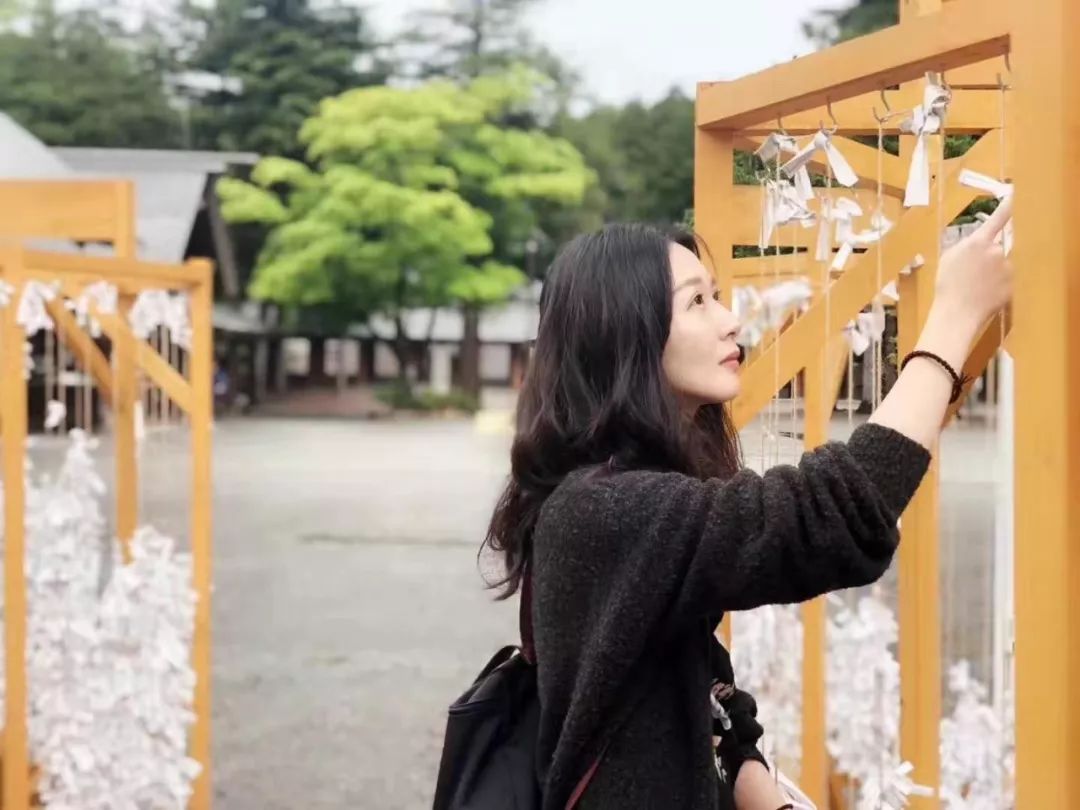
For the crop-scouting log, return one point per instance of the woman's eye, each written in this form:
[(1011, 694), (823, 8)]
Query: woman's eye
[(698, 300), (716, 296)]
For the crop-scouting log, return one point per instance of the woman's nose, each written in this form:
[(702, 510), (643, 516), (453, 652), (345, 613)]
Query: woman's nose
[(729, 324)]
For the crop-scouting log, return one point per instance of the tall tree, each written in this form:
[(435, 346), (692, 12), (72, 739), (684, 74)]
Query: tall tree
[(77, 78), (831, 25), (462, 40), (418, 197), (274, 60)]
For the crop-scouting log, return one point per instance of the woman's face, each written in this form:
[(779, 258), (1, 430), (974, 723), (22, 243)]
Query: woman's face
[(701, 358)]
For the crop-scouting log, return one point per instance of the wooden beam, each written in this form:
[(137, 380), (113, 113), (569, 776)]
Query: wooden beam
[(156, 275), (745, 216), (83, 347), (125, 443), (913, 233), (971, 112), (964, 32), (16, 756), (753, 269), (822, 381), (1046, 347), (863, 159), (73, 287), (79, 210), (985, 75), (918, 569), (202, 417), (714, 179), (984, 350), (153, 364)]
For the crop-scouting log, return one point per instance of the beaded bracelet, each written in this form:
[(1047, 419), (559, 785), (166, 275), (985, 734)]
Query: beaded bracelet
[(958, 380)]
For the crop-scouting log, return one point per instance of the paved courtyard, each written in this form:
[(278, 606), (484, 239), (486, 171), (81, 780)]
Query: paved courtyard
[(348, 609)]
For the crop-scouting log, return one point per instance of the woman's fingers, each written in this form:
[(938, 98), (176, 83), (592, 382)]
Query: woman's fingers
[(996, 222)]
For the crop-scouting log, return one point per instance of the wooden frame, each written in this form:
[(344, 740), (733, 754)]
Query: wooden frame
[(970, 40), (100, 211)]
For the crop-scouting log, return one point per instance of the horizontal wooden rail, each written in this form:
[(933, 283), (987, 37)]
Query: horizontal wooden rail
[(77, 210), (963, 32), (154, 275), (971, 112)]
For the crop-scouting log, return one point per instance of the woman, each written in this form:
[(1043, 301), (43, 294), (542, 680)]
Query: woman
[(631, 529)]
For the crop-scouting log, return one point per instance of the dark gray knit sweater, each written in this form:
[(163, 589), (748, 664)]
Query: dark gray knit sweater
[(631, 570)]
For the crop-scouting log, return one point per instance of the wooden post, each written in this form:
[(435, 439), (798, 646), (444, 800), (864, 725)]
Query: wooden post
[(1046, 346), (714, 181), (202, 414), (125, 386), (16, 760), (919, 573), (125, 399), (919, 561), (814, 768)]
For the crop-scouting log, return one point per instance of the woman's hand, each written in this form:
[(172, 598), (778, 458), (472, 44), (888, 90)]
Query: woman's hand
[(975, 278), (756, 789), (974, 281)]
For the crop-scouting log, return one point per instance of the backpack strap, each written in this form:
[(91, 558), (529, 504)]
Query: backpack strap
[(579, 788)]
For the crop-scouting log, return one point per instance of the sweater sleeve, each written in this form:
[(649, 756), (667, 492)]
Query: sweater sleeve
[(796, 532)]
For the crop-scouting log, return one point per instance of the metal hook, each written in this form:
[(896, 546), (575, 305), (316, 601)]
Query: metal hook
[(881, 119), (835, 124)]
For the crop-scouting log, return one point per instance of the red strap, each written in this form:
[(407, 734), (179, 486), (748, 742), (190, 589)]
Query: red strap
[(583, 783)]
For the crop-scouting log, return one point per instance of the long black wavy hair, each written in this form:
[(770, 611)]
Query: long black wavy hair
[(595, 392)]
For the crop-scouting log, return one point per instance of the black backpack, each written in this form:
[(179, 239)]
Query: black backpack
[(489, 752)]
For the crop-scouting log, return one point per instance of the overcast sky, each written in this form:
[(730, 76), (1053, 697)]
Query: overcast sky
[(640, 48)]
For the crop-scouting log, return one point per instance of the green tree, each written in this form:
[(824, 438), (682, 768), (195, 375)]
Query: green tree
[(832, 25), (78, 78), (398, 209), (464, 39), (274, 61)]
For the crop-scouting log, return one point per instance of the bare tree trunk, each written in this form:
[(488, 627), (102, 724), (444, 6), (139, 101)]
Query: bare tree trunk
[(342, 374), (470, 351), (401, 351)]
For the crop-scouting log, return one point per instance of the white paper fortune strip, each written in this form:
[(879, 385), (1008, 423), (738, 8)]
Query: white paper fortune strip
[(841, 169), (31, 314), (866, 329), (926, 120), (998, 189), (779, 144), (110, 683), (782, 206)]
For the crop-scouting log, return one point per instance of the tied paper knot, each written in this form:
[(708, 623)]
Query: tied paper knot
[(108, 657), (867, 329), (777, 144), (31, 314), (838, 165), (761, 311), (843, 211), (898, 788), (997, 189), (927, 119), (782, 206), (99, 296), (156, 308)]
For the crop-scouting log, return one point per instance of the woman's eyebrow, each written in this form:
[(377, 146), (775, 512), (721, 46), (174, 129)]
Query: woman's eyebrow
[(688, 283)]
